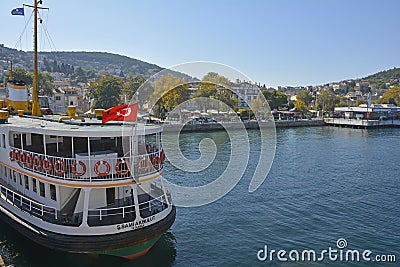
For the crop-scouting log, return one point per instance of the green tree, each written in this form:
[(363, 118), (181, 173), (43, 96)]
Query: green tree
[(359, 102), (305, 96), (106, 91), (131, 85), (326, 100), (46, 84), (259, 107), (80, 75), (168, 92), (21, 74), (392, 96), (45, 81), (300, 106), (274, 98), (215, 86)]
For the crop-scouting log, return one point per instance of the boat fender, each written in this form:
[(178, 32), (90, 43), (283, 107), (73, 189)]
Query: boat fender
[(96, 168)]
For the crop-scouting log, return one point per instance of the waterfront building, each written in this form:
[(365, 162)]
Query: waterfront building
[(246, 90), (376, 115)]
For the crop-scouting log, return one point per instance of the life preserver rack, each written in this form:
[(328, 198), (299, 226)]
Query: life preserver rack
[(72, 168)]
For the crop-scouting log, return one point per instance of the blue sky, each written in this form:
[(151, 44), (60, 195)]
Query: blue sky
[(280, 42)]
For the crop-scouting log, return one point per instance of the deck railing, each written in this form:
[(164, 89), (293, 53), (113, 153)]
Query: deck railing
[(89, 168), (32, 207), (115, 215), (38, 210)]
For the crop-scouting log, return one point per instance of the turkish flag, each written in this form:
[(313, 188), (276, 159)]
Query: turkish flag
[(120, 113)]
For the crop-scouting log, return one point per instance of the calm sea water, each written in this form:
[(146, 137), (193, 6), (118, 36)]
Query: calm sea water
[(325, 184)]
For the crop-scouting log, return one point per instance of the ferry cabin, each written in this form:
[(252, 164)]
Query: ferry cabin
[(68, 180)]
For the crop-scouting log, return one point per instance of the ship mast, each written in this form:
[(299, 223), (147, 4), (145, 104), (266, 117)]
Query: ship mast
[(35, 94)]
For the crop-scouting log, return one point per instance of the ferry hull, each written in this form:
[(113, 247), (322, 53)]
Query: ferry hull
[(132, 252), (130, 245)]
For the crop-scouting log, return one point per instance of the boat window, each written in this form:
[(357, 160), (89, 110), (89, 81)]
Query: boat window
[(26, 180), (55, 146), (33, 142), (3, 140), (53, 194), (16, 140), (80, 145), (34, 188), (113, 144), (42, 193), (110, 195)]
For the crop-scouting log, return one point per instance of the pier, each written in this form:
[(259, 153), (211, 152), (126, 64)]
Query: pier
[(362, 123)]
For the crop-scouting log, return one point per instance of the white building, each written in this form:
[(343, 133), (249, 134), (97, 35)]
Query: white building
[(247, 91), (68, 96)]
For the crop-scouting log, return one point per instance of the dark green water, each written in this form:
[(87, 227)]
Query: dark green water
[(325, 184)]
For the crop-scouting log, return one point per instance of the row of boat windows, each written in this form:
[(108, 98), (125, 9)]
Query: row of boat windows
[(69, 146), (29, 183), (66, 146)]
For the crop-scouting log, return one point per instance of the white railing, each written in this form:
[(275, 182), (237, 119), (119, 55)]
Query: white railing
[(109, 216), (33, 208), (89, 169)]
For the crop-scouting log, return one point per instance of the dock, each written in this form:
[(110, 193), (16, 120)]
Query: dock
[(362, 123)]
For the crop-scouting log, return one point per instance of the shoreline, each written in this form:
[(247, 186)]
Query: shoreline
[(238, 125)]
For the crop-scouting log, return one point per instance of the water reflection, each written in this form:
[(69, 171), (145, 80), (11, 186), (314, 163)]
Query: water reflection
[(17, 250)]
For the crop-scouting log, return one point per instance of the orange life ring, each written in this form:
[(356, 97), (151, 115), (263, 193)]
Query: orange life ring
[(37, 163), (16, 155), (143, 167), (22, 158), (96, 168), (12, 155), (47, 165), (28, 160), (156, 162), (119, 171), (57, 165), (83, 166), (162, 156)]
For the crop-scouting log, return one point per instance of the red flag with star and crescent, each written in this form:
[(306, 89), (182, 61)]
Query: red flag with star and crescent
[(121, 113)]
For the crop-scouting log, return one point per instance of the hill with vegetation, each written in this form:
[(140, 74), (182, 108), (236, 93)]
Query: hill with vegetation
[(92, 64), (384, 78)]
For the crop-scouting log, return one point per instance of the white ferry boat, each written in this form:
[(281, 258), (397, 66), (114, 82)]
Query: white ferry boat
[(72, 185), (78, 185)]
